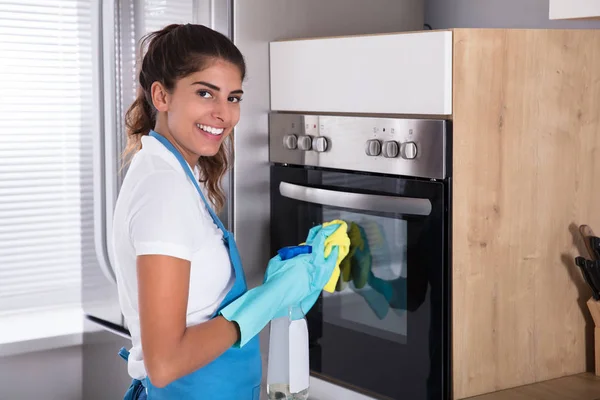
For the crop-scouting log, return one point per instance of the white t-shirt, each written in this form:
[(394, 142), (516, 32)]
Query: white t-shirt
[(159, 211)]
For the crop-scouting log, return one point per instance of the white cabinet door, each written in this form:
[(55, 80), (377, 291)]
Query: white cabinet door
[(403, 73), (568, 9)]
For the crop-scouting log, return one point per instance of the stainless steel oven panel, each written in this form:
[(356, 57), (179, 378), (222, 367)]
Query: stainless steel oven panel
[(408, 147)]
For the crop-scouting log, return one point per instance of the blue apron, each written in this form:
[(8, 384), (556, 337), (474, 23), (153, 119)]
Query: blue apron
[(236, 374)]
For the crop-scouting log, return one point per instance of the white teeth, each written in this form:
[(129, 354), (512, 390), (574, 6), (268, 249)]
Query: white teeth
[(210, 129)]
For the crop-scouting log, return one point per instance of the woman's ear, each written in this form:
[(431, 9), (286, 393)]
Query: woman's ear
[(160, 97)]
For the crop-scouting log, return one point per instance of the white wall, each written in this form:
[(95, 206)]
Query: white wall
[(443, 14)]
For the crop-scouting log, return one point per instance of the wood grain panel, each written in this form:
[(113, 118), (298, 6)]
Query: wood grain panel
[(526, 169)]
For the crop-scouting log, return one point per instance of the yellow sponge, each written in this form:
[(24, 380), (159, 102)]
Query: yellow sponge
[(338, 238)]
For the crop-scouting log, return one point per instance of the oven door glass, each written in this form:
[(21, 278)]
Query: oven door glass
[(383, 331)]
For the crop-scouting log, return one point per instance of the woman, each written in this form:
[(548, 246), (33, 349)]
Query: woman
[(181, 287)]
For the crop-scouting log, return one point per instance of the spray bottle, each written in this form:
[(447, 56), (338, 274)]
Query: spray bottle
[(288, 369)]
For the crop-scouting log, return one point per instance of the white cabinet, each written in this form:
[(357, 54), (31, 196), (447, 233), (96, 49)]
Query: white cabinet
[(569, 9), (397, 73)]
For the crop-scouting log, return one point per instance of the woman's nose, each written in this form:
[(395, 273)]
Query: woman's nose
[(221, 110)]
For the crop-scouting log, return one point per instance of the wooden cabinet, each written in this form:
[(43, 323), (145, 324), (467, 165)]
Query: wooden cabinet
[(525, 110), (572, 9), (526, 116)]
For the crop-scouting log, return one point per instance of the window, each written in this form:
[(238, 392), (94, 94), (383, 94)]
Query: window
[(45, 152), (49, 116)]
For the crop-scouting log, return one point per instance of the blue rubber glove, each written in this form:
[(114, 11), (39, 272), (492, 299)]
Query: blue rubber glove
[(287, 283), (316, 240), (322, 274), (255, 308)]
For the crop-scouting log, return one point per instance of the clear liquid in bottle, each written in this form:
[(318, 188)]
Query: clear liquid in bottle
[(281, 391)]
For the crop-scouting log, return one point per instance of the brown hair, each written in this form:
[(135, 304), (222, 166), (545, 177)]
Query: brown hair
[(173, 53)]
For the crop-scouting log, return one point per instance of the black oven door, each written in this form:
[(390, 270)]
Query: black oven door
[(384, 331)]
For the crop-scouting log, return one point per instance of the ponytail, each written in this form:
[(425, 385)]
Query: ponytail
[(139, 120)]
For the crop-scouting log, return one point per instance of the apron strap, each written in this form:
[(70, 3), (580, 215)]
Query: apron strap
[(124, 354), (190, 175)]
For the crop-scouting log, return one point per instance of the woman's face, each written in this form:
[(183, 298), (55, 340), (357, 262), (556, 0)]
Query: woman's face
[(202, 110)]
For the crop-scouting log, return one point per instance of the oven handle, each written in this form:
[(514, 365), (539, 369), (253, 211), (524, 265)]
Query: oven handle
[(358, 201)]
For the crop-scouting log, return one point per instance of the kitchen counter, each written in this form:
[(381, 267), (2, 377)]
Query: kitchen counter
[(584, 386), (576, 387)]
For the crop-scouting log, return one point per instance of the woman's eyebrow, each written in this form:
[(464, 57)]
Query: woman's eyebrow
[(216, 88)]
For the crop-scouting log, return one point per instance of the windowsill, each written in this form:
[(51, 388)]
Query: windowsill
[(42, 330)]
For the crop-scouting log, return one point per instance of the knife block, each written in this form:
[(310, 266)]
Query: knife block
[(594, 307)]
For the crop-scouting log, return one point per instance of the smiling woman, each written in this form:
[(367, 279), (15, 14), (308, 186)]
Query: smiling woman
[(181, 285)]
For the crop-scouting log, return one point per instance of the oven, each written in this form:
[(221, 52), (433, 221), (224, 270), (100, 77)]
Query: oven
[(385, 331)]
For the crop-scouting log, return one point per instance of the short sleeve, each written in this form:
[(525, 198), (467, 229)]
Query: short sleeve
[(163, 215)]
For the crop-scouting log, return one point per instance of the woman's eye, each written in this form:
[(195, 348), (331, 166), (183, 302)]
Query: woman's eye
[(204, 93), (234, 99)]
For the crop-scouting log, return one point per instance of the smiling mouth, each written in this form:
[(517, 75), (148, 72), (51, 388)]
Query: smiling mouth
[(211, 130)]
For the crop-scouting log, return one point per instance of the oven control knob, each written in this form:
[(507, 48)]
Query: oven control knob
[(305, 142), (409, 150), (290, 142), (319, 144), (391, 149), (373, 147)]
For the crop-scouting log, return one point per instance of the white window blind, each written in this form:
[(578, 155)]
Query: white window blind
[(45, 151)]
